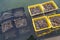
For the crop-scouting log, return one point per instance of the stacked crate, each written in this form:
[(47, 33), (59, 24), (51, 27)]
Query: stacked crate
[(42, 24), (7, 28), (54, 20), (14, 24)]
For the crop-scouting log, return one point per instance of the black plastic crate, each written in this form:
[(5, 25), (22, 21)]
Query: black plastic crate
[(13, 31), (11, 34), (18, 12), (6, 25), (6, 15)]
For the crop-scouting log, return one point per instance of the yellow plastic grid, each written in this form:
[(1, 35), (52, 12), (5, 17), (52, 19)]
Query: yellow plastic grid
[(50, 2), (55, 29), (43, 33), (39, 18), (54, 16), (34, 6)]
